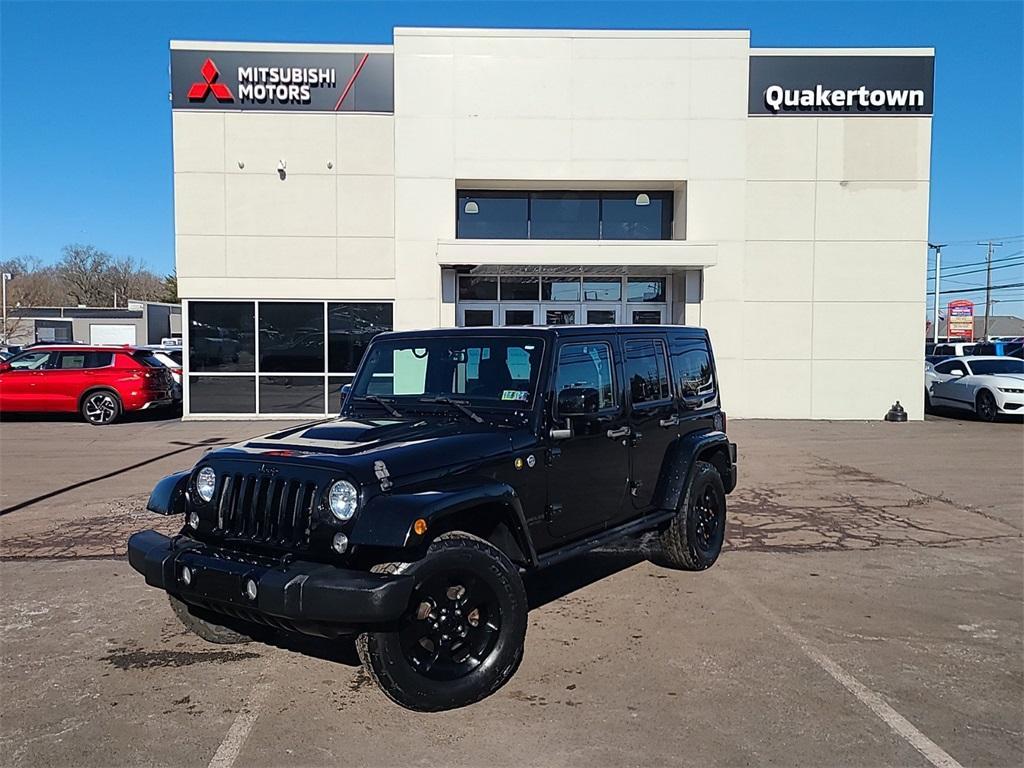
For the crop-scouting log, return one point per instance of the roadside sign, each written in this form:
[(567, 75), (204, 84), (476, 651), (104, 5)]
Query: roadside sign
[(960, 319)]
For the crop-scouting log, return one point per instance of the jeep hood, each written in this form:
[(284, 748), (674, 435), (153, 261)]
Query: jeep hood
[(407, 446)]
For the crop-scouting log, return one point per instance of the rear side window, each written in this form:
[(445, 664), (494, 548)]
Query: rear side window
[(82, 360), (30, 361), (647, 370), (693, 374), (148, 359), (587, 366)]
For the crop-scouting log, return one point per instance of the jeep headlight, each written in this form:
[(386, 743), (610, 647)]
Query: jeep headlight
[(206, 483), (343, 499)]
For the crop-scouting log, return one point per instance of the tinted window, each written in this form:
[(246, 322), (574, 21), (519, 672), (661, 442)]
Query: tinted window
[(291, 337), (646, 317), (520, 288), (30, 361), (647, 370), (81, 360), (560, 317), (350, 328), (477, 317), (519, 317), (693, 374), (291, 394), (984, 349), (601, 316), (222, 336), (623, 219), (150, 359), (493, 215), (222, 394), (950, 366), (1003, 365), (564, 216), (477, 288), (587, 366), (645, 289)]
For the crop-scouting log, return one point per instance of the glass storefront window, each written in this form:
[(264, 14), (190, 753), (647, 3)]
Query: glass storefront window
[(560, 317), (478, 317), (222, 394), (291, 337), (222, 336), (645, 289), (350, 326), (564, 216), (519, 317), (623, 219), (493, 215), (646, 317), (477, 288), (334, 385), (560, 289), (291, 394), (519, 288), (602, 289), (601, 316)]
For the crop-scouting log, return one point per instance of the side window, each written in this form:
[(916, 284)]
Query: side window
[(647, 370), (30, 361), (80, 360), (951, 367), (587, 366), (693, 374)]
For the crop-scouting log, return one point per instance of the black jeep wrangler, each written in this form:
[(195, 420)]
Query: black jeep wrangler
[(461, 459)]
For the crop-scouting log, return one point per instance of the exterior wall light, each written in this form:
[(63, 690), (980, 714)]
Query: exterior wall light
[(471, 207), (643, 199)]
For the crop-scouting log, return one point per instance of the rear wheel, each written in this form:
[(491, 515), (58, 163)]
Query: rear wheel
[(101, 407), (694, 538), (985, 406), (461, 637)]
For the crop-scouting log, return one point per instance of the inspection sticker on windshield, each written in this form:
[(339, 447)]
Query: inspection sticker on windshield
[(517, 395)]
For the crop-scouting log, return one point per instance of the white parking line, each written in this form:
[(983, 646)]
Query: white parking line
[(931, 751), (234, 740)]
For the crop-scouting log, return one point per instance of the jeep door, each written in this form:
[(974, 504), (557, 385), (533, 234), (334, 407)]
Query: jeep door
[(588, 471), (653, 419)]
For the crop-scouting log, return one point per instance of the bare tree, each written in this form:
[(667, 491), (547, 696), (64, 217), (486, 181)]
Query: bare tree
[(85, 271)]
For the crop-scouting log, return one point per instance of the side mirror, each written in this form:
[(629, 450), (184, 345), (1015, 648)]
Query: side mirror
[(346, 390), (577, 401)]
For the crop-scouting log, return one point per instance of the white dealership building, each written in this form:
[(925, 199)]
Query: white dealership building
[(777, 197)]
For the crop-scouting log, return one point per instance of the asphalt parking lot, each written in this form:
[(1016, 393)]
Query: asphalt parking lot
[(867, 610)]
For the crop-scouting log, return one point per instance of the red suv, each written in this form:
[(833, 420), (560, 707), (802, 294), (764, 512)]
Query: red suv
[(101, 383)]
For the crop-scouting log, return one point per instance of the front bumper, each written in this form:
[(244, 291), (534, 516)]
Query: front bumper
[(314, 598)]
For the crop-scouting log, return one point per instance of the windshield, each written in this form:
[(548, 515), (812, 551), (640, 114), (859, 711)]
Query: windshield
[(1006, 365), (496, 371)]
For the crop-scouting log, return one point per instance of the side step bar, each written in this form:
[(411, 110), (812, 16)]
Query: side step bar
[(641, 525)]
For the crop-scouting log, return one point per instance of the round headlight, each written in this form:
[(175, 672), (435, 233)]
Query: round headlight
[(342, 499), (206, 482)]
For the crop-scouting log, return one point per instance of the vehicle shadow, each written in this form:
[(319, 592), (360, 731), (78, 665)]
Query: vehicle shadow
[(156, 414), (542, 587)]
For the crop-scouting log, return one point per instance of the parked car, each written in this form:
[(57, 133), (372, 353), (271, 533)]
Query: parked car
[(988, 386), (99, 382), (954, 349), (461, 458), (999, 348), (171, 359)]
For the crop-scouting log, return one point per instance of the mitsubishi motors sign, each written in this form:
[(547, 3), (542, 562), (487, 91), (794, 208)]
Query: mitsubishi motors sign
[(282, 81), (820, 86)]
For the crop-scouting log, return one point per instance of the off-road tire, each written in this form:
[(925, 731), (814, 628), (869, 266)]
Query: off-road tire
[(194, 621), (101, 407), (681, 546), (985, 407), (385, 662)]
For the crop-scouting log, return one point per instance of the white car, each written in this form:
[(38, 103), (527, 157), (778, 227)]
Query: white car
[(989, 386)]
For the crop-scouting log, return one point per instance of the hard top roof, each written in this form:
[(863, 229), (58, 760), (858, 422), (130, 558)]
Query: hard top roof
[(553, 331)]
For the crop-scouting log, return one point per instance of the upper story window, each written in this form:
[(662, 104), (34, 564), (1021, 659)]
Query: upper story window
[(564, 215)]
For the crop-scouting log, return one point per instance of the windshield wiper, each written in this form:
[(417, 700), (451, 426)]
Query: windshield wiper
[(385, 404), (448, 401)]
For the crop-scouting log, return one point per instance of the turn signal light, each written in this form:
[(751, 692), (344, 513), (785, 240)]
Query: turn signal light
[(419, 527)]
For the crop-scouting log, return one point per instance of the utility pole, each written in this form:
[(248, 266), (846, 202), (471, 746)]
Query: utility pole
[(988, 282), (4, 278), (938, 279)]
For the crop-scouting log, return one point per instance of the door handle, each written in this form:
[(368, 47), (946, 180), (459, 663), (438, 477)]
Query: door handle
[(672, 421), (615, 434)]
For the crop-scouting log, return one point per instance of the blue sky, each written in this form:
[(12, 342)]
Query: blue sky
[(85, 144)]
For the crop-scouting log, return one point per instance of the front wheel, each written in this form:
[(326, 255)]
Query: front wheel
[(461, 637), (101, 408), (694, 538), (985, 407)]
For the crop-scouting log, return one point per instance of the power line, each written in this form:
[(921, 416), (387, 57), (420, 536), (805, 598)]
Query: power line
[(984, 239), (976, 271), (983, 288), (1007, 257)]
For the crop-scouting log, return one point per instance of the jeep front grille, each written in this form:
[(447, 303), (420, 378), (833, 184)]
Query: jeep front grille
[(266, 510)]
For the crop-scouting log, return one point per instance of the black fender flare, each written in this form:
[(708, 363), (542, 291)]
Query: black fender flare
[(681, 463), (168, 497), (387, 519)]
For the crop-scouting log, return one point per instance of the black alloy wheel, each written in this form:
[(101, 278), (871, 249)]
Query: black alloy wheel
[(453, 626), (985, 407), (101, 408), (461, 637), (709, 516)]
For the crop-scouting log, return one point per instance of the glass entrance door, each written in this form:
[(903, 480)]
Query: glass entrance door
[(601, 314), (519, 314), (560, 314), (475, 315)]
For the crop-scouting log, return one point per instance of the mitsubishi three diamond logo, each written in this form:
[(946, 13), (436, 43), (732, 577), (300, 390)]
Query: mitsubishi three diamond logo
[(210, 73)]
